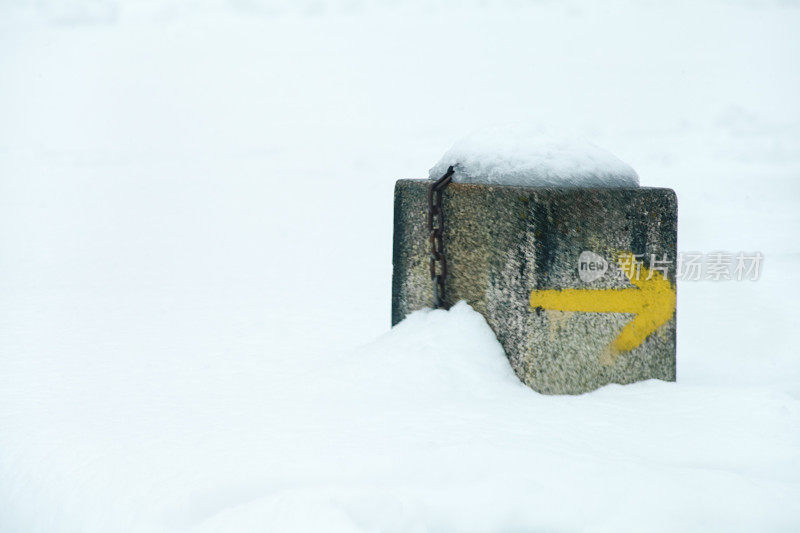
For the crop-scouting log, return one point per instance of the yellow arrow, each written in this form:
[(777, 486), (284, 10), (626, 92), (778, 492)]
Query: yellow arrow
[(652, 300)]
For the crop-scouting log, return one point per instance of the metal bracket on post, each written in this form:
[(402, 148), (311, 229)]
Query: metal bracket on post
[(435, 232)]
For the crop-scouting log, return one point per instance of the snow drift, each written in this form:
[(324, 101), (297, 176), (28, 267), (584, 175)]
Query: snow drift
[(426, 428)]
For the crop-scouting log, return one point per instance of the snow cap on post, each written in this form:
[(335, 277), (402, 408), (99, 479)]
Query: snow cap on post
[(534, 157)]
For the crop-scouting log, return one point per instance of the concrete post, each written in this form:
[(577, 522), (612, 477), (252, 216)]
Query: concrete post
[(578, 284)]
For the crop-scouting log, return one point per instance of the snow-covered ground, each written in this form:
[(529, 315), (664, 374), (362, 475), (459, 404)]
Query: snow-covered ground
[(195, 262)]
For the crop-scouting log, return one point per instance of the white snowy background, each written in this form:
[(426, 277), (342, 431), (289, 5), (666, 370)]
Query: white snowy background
[(195, 264)]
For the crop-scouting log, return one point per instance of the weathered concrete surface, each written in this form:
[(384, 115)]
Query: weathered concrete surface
[(504, 242)]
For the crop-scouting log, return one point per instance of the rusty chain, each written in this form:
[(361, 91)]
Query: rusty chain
[(435, 232)]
